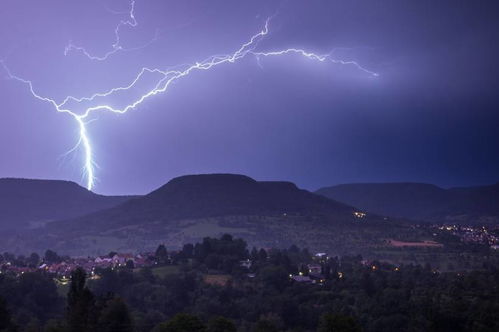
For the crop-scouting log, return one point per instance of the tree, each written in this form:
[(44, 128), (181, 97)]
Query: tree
[(262, 255), (274, 276), (5, 320), (294, 249), (161, 254), (34, 259), (254, 254), (81, 303), (51, 257), (130, 264), (367, 284), (221, 324), (265, 325), (182, 323), (115, 317), (326, 271), (187, 251), (40, 295), (337, 323), (304, 269), (8, 257)]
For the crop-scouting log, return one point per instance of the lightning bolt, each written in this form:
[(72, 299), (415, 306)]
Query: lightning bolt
[(166, 78), (313, 56), (116, 47)]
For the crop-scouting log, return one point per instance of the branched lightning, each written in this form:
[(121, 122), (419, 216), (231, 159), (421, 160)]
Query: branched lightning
[(165, 80), (116, 47), (313, 56)]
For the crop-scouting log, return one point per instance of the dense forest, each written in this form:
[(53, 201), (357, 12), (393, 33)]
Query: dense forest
[(222, 285)]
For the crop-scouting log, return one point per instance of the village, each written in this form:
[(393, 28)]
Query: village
[(473, 234), (63, 266)]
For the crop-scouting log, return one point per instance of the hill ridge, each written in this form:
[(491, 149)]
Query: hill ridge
[(212, 195), (30, 202), (420, 201)]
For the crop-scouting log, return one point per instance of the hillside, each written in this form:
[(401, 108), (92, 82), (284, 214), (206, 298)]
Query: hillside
[(419, 201), (212, 195), (191, 207), (25, 203)]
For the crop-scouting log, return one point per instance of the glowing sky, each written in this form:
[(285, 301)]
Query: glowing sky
[(431, 115)]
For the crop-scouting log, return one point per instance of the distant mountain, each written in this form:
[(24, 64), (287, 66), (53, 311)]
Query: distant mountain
[(188, 208), (211, 195), (419, 201), (25, 203)]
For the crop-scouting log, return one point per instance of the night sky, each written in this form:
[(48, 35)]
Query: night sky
[(432, 114)]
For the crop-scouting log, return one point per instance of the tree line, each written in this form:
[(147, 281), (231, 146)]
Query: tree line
[(176, 296)]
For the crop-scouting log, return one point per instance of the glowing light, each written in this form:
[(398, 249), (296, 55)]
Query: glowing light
[(167, 77), (359, 214), (317, 57), (116, 47)]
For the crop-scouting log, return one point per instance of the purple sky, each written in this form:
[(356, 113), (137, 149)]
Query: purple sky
[(432, 115)]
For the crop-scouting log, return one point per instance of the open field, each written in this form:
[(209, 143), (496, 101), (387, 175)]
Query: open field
[(217, 279), (396, 243)]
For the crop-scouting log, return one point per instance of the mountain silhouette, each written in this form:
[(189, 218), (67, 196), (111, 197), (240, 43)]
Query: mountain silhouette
[(420, 201), (212, 195), (25, 202)]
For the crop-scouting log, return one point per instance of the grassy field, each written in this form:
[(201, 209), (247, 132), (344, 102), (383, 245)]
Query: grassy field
[(210, 227), (396, 243)]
